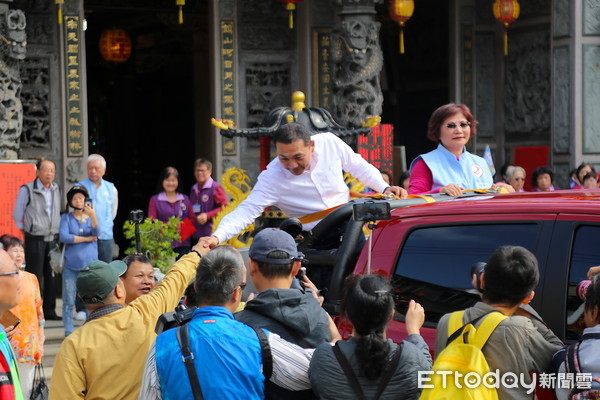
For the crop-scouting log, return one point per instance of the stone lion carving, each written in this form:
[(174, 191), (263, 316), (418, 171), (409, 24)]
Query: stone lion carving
[(357, 60)]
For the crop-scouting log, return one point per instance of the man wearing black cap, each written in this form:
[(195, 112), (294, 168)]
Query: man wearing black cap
[(293, 314), (105, 357)]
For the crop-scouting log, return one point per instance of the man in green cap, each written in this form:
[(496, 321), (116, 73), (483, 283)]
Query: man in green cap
[(105, 357)]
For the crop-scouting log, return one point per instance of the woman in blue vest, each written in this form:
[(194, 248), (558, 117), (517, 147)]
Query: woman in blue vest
[(79, 231), (450, 168)]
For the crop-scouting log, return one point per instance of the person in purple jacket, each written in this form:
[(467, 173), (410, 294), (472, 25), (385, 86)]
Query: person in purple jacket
[(169, 202), (207, 197)]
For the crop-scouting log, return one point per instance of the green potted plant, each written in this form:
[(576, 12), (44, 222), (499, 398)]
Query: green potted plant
[(156, 238)]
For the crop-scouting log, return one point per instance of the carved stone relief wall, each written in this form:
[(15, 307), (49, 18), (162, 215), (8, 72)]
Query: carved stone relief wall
[(227, 9), (484, 77), (561, 115), (267, 68), (12, 52), (591, 17), (266, 38), (267, 87), (561, 175), (527, 86), (323, 12), (357, 60), (36, 103), (562, 18), (484, 13), (591, 99), (40, 75), (533, 8)]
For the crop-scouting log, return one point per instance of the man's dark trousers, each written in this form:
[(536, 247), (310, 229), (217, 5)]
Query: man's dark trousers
[(37, 262)]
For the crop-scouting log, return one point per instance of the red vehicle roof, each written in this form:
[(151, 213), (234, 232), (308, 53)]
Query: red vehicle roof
[(564, 201)]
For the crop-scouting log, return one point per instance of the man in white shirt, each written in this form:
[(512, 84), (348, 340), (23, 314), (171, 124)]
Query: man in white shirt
[(306, 177)]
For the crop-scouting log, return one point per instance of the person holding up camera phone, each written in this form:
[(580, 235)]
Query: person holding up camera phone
[(79, 232)]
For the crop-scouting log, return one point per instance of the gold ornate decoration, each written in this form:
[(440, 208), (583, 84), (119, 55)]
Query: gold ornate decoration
[(59, 4), (372, 121), (180, 4), (237, 184), (290, 6), (353, 183)]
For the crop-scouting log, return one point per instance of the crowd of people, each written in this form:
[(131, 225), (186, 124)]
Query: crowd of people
[(279, 344)]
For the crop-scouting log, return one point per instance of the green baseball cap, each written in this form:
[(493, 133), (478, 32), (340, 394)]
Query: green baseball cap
[(97, 279)]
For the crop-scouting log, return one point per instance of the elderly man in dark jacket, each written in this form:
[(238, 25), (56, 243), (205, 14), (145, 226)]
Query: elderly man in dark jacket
[(292, 313)]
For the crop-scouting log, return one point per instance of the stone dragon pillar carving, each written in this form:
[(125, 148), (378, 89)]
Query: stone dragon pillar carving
[(357, 60), (12, 51)]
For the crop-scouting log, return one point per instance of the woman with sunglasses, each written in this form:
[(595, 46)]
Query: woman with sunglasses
[(450, 168), (515, 177)]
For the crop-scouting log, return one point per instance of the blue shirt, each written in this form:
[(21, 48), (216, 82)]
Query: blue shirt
[(105, 201), (227, 359), (77, 255), (468, 171)]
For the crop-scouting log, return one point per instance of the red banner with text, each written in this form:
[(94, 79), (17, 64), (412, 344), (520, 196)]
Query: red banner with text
[(12, 177)]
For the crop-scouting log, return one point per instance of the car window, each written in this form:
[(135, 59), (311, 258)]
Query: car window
[(435, 262), (584, 255)]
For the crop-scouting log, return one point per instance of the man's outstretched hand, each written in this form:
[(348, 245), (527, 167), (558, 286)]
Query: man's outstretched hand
[(205, 244), (397, 190)]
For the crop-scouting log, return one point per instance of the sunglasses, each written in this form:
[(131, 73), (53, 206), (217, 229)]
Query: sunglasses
[(463, 125)]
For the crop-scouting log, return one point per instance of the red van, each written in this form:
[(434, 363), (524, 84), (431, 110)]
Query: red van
[(426, 250)]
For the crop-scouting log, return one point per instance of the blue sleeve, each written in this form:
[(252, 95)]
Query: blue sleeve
[(20, 204), (65, 235), (94, 231)]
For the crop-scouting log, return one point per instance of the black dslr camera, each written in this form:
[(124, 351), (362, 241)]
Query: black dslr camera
[(182, 315), (136, 216)]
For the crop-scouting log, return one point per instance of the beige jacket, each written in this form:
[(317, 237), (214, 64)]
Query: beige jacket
[(104, 359)]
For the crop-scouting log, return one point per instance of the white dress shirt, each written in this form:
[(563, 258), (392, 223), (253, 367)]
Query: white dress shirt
[(318, 188)]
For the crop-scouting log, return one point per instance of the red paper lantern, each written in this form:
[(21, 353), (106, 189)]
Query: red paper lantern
[(115, 45), (507, 12), (401, 11), (290, 6)]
